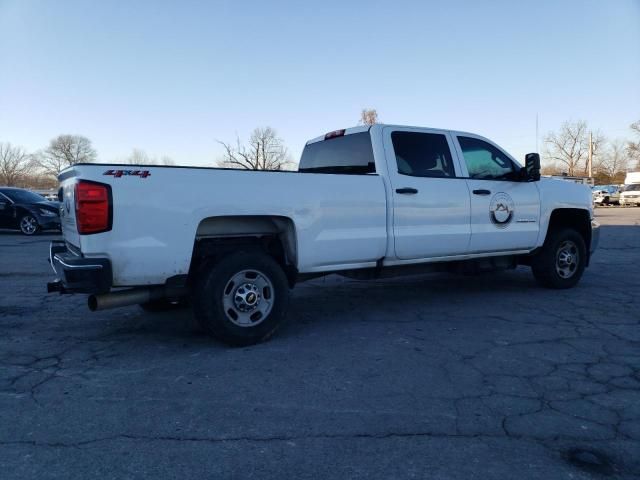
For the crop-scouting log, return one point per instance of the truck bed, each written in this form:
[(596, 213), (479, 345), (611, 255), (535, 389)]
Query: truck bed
[(158, 212)]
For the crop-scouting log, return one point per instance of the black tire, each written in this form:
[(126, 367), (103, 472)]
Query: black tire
[(156, 306), (28, 225), (227, 281), (552, 271)]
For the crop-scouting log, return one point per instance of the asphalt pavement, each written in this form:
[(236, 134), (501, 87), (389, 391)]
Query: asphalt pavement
[(435, 376)]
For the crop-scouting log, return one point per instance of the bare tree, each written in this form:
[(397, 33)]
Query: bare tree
[(368, 116), (64, 151), (139, 157), (569, 147), (38, 180), (614, 160), (633, 147), (15, 163), (264, 151), (551, 169), (599, 144)]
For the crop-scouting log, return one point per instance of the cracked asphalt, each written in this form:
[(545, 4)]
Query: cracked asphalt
[(435, 376)]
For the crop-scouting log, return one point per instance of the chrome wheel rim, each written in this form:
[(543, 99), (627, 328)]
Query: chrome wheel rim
[(248, 298), (28, 225), (567, 259)]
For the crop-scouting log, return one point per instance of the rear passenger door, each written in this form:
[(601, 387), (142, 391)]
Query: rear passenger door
[(431, 207)]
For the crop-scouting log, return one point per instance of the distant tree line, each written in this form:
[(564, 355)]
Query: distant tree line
[(566, 151), (264, 150), (39, 170)]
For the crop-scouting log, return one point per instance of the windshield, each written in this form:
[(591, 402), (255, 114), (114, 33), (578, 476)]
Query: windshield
[(23, 196), (632, 188)]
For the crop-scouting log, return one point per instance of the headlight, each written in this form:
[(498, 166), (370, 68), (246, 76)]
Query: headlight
[(46, 213)]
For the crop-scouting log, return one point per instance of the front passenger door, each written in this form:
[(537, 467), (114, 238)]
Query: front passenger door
[(505, 211)]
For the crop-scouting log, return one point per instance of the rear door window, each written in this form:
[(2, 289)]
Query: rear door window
[(422, 154), (348, 154)]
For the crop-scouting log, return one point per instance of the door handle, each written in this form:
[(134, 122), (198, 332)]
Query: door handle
[(407, 191), (482, 192)]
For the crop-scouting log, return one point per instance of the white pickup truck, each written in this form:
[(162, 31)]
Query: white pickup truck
[(365, 202)]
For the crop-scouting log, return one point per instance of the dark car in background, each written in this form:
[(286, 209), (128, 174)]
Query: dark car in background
[(27, 211)]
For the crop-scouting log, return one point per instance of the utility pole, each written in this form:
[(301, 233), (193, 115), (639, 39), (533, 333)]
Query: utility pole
[(537, 148), (590, 160)]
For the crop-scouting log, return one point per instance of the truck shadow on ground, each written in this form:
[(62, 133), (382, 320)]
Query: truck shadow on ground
[(335, 302)]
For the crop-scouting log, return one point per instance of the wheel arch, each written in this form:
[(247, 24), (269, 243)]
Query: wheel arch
[(21, 210), (220, 235), (577, 218)]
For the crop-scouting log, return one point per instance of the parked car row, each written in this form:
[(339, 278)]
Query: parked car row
[(616, 195), (51, 195), (27, 211), (606, 195)]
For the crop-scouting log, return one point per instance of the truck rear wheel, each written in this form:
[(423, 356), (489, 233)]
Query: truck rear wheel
[(242, 298), (561, 261)]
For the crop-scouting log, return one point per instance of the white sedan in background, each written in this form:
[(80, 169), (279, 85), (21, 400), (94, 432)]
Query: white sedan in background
[(606, 195), (630, 195)]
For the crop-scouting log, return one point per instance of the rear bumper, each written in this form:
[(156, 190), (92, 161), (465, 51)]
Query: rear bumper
[(76, 274)]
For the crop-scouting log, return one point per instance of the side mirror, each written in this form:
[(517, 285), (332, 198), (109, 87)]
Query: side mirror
[(532, 166)]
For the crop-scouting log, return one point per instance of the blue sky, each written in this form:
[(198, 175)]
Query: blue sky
[(173, 77)]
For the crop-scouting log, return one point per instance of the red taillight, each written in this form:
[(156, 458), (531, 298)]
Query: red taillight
[(93, 207)]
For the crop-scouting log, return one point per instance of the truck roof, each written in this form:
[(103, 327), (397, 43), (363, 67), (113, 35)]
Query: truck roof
[(364, 128)]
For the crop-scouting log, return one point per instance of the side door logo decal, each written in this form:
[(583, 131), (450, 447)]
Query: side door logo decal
[(501, 209)]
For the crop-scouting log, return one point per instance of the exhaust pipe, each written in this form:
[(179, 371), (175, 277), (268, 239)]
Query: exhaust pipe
[(134, 296)]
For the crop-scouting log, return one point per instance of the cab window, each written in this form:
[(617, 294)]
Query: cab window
[(486, 162), (347, 154), (422, 154)]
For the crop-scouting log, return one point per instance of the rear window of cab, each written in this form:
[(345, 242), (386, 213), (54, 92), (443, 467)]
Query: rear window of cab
[(347, 154)]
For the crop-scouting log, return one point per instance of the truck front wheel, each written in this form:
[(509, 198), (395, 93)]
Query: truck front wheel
[(561, 261), (242, 298)]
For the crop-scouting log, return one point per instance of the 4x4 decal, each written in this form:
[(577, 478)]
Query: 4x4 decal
[(134, 173)]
